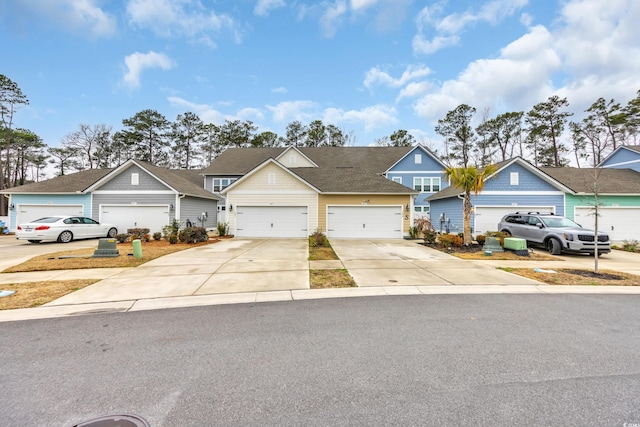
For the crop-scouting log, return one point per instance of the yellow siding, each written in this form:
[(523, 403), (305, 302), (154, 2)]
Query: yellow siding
[(293, 159), (359, 199), (287, 191)]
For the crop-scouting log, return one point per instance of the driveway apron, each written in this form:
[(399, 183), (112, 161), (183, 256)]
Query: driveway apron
[(407, 263), (229, 266)]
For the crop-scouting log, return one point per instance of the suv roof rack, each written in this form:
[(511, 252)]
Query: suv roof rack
[(534, 213)]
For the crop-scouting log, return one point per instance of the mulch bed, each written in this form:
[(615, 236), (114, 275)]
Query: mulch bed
[(593, 275)]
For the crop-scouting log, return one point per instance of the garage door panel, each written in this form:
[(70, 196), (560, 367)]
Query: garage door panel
[(372, 222), (272, 221), (135, 216), (28, 213), (488, 217), (618, 222)]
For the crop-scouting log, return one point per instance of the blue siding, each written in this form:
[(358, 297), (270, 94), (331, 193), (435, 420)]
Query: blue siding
[(519, 200), (623, 155), (46, 199), (407, 169), (527, 181), (450, 208)]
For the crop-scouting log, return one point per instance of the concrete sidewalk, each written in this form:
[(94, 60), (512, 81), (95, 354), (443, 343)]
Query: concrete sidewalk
[(256, 270)]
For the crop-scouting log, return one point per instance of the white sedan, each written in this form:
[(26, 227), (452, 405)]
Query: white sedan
[(63, 229)]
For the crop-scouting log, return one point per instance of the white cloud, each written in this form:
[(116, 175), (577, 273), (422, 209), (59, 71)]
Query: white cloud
[(377, 76), (414, 89), (519, 78), (372, 117), (362, 4), (250, 113), (79, 16), (263, 7), (448, 28), (591, 51), (288, 111), (138, 62), (206, 112), (280, 89), (188, 18), (331, 17)]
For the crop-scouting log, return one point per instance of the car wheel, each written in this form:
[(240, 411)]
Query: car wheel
[(554, 246), (112, 232), (34, 241), (65, 237), (506, 232)]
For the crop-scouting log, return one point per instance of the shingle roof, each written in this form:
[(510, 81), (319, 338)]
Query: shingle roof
[(188, 182), (180, 180), (72, 183), (239, 161), (350, 180), (610, 181)]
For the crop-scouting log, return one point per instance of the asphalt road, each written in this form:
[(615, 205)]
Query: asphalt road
[(486, 360)]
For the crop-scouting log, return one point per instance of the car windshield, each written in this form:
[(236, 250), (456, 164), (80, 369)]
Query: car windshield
[(559, 222), (48, 219)]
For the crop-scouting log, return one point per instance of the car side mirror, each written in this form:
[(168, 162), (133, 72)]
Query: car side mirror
[(540, 225)]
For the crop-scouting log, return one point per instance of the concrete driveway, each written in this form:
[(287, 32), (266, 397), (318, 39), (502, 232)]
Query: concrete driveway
[(229, 266), (407, 263)]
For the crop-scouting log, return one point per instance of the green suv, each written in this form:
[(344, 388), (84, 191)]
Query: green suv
[(556, 233)]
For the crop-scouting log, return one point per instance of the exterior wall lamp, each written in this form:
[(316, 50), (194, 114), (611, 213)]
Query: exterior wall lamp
[(171, 206), (12, 207), (230, 208)]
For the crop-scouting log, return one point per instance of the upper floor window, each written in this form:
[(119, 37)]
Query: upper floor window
[(418, 159), (220, 184), (426, 185), (397, 179)]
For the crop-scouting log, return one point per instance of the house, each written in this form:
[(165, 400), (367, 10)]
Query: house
[(623, 157), (519, 186), (135, 194), (352, 192)]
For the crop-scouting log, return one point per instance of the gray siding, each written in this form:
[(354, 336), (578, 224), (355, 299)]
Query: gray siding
[(122, 182), (191, 208), (127, 199)]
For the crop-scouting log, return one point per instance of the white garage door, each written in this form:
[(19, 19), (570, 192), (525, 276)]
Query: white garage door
[(618, 222), (26, 213), (365, 222), (135, 216), (271, 221), (488, 217)]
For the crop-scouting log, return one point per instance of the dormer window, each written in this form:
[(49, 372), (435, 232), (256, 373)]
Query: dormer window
[(220, 184)]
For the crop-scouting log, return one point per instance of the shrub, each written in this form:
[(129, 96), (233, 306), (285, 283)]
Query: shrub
[(630, 245), (193, 235), (138, 233), (223, 229), (413, 232), (157, 235), (318, 239), (480, 238), (122, 237), (171, 230), (173, 239), (424, 227), (450, 241)]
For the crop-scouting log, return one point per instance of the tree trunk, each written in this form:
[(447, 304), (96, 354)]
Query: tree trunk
[(466, 223)]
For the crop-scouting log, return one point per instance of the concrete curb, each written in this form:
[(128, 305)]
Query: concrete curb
[(45, 312)]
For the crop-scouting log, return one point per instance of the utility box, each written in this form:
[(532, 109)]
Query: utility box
[(515, 244), (106, 249), (492, 244)]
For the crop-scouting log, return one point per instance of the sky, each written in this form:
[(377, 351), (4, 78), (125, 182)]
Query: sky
[(370, 67)]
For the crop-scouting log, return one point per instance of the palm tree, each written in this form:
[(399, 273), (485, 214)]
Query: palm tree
[(468, 179)]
